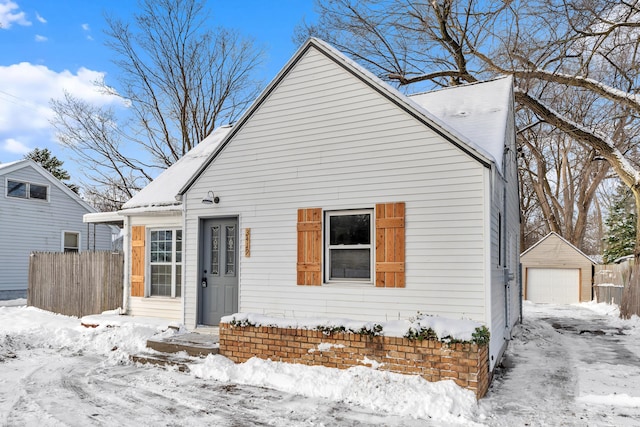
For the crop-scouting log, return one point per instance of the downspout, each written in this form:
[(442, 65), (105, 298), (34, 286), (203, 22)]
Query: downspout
[(126, 285), (184, 256)]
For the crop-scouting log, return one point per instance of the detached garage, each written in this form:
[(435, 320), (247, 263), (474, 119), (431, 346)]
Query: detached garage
[(556, 272)]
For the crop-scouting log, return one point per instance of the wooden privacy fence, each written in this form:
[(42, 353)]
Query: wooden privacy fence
[(76, 284), (609, 281)]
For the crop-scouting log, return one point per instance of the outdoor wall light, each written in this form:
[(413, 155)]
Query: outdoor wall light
[(210, 199)]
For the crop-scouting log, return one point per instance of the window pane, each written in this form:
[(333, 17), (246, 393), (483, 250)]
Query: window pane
[(350, 229), (71, 240), (17, 189), (215, 249), (178, 245), (178, 280), (160, 250), (37, 192), (350, 263), (161, 280)]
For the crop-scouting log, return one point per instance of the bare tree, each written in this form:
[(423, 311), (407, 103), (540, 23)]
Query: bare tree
[(179, 79)]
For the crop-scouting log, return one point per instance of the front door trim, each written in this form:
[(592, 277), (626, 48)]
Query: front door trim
[(201, 315)]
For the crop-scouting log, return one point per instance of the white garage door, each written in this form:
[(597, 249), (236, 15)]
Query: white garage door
[(553, 285)]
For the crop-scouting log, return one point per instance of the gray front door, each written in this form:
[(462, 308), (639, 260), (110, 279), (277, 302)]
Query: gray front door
[(219, 269)]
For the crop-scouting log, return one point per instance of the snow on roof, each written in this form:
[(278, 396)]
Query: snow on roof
[(6, 165), (162, 191), (478, 111)]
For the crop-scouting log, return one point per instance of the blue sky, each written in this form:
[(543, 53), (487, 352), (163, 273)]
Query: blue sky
[(49, 46)]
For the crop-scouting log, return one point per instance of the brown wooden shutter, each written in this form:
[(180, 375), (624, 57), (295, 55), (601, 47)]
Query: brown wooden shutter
[(137, 261), (309, 246), (390, 245)]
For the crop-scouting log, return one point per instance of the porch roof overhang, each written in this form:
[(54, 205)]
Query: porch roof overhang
[(109, 218)]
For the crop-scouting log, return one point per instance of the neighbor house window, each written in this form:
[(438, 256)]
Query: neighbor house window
[(26, 190), (70, 241), (165, 260), (348, 248)]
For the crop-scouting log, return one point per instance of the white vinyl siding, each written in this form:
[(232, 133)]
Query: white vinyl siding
[(332, 142), (35, 225)]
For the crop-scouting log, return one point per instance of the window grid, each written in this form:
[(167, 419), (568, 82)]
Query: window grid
[(165, 259)]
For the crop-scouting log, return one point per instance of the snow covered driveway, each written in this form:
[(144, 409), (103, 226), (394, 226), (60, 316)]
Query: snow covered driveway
[(573, 365), (569, 365)]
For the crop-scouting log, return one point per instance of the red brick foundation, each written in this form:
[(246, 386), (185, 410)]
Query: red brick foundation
[(466, 364)]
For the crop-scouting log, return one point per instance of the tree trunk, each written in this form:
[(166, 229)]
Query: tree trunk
[(630, 303)]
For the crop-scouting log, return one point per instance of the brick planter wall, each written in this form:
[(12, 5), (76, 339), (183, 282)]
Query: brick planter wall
[(466, 364)]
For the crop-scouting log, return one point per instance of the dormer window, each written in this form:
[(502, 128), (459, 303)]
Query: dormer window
[(26, 190)]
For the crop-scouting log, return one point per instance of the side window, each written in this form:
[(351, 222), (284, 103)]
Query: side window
[(165, 261), (26, 190), (70, 241), (348, 246)]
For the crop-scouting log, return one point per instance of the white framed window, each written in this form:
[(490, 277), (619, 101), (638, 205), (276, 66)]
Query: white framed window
[(349, 246), (70, 241), (165, 263), (27, 190)]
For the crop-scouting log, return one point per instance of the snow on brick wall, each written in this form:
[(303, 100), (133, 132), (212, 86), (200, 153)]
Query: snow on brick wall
[(466, 364)]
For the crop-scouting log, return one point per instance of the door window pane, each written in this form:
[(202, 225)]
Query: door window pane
[(215, 250), (230, 266)]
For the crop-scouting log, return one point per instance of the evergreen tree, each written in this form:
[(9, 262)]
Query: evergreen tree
[(52, 164), (621, 226)]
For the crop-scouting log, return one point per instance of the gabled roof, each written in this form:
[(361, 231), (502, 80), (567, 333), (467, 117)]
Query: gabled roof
[(480, 133), (466, 143), (162, 191), (554, 234), (7, 168)]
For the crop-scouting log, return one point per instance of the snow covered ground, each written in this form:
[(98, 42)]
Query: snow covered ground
[(567, 365)]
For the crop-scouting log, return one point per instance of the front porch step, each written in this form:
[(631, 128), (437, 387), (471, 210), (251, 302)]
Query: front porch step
[(194, 344), (162, 360)]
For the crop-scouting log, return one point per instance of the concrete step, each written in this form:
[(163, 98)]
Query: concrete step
[(159, 359), (194, 344)]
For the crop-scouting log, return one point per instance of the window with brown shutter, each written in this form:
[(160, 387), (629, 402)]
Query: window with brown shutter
[(309, 246), (137, 260), (390, 245)]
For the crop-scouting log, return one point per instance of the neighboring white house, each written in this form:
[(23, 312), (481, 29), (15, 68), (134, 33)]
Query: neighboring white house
[(337, 196), (38, 213)]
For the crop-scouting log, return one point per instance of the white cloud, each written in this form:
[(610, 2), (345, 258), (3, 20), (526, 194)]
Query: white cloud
[(86, 27), (40, 18), (25, 93), (15, 147), (9, 14), (40, 38)]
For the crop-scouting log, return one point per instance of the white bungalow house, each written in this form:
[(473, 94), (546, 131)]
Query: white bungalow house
[(335, 195), (39, 213)]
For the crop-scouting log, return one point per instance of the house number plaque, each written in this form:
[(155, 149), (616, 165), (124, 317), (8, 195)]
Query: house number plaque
[(247, 242)]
